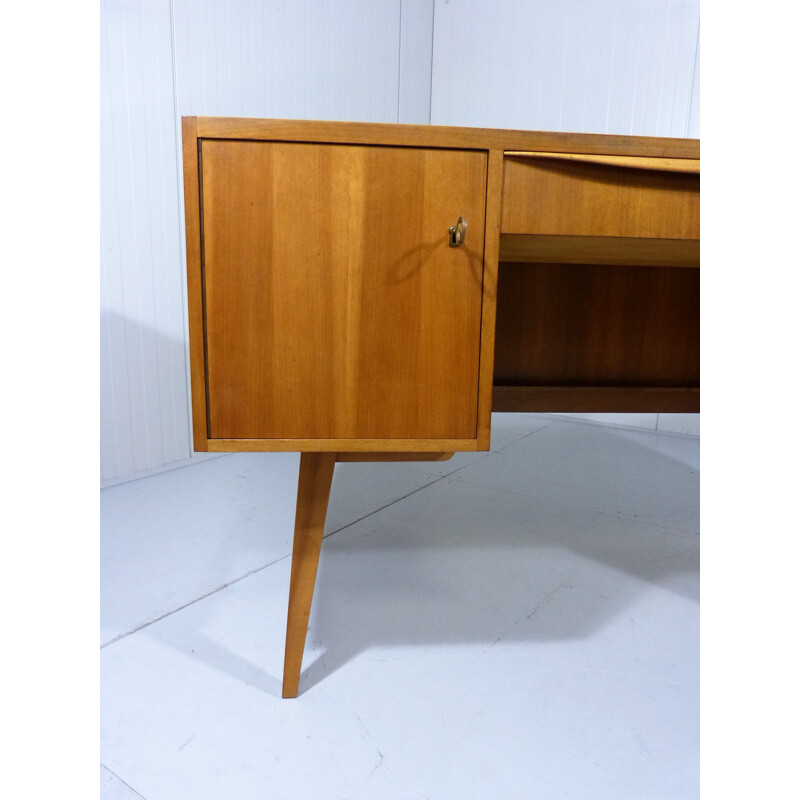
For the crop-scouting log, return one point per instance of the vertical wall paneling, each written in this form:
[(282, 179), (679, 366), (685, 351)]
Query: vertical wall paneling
[(593, 66), (144, 411), (298, 60), (693, 126), (416, 56)]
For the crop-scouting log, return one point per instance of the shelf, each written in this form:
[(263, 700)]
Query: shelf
[(597, 399), (622, 250)]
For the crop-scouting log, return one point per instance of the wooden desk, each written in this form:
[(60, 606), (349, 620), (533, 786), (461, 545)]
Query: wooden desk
[(371, 292)]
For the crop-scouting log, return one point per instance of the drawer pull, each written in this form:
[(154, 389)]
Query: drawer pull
[(458, 232)]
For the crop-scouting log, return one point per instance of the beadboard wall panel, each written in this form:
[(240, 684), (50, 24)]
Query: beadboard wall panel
[(416, 61), (693, 127), (144, 411), (294, 60), (588, 66)]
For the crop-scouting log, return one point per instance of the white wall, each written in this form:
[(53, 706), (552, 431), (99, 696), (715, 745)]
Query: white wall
[(617, 66), (591, 66), (144, 413)]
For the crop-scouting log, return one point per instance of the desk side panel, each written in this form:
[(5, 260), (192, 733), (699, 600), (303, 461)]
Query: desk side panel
[(194, 281), (494, 190)]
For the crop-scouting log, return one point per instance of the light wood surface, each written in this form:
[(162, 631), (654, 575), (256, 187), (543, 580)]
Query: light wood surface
[(313, 491), (554, 197), (628, 250), (598, 399), (194, 280), (489, 290), (343, 445), (691, 165), (379, 457), (444, 136), (335, 308), (326, 315)]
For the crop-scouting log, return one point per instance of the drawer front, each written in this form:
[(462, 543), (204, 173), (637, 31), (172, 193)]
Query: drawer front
[(559, 196)]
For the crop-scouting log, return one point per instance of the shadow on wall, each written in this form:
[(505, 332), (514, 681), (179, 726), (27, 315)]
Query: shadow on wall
[(144, 397)]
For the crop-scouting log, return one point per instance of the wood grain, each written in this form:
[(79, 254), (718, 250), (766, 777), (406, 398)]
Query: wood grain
[(343, 445), (314, 273), (629, 250), (380, 457), (587, 325), (313, 491), (553, 197), (334, 307), (691, 165), (194, 279), (488, 316), (598, 399), (444, 136)]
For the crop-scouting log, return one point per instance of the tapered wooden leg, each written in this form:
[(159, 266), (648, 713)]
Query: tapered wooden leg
[(313, 491)]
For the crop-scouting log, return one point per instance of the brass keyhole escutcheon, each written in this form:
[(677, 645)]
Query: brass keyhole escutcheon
[(458, 233)]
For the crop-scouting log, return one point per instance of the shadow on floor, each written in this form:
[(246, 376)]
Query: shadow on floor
[(460, 561)]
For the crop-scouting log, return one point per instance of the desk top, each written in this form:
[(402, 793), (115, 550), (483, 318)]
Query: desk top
[(442, 136)]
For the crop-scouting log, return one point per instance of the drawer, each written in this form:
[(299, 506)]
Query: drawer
[(568, 194)]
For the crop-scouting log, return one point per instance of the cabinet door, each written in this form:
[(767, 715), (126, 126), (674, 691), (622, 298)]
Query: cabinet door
[(334, 306)]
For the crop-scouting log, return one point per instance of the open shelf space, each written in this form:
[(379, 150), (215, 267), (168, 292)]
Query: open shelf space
[(589, 337)]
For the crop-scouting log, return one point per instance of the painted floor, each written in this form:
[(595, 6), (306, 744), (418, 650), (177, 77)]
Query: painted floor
[(522, 623)]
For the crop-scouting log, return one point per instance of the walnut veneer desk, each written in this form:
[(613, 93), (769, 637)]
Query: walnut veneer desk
[(367, 292)]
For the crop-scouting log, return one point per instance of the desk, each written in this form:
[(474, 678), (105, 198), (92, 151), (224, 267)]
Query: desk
[(367, 292)]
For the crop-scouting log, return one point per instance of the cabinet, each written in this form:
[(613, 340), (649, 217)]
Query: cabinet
[(371, 292)]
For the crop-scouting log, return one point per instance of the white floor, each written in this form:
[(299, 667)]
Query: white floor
[(521, 623)]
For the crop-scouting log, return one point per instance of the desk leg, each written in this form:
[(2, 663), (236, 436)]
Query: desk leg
[(313, 491)]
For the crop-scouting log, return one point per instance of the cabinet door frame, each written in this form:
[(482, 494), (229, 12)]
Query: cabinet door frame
[(195, 130)]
